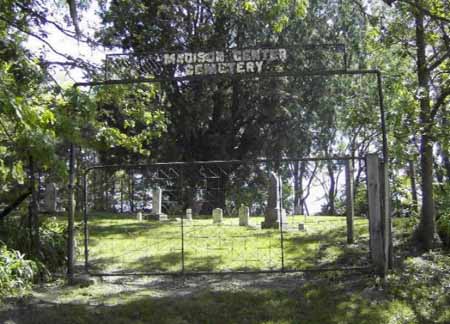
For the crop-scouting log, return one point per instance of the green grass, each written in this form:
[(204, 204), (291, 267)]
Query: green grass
[(415, 292), (327, 302), (119, 244)]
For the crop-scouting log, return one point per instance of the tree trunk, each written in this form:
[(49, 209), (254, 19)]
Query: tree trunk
[(427, 227), (412, 176), (443, 150), (331, 191), (299, 173), (33, 209), (131, 191), (112, 203)]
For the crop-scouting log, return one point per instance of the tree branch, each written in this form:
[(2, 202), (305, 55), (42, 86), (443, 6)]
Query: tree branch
[(439, 61), (439, 102), (89, 67), (424, 10)]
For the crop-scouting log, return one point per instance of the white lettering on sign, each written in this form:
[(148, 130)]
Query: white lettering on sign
[(235, 61)]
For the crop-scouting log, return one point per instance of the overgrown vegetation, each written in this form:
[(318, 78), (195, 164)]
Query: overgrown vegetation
[(16, 273), (51, 259)]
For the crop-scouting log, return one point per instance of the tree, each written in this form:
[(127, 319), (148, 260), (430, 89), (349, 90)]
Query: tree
[(430, 39)]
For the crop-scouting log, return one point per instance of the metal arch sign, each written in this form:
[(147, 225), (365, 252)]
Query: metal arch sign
[(225, 62), (233, 61)]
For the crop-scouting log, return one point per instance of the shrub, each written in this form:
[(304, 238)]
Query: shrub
[(443, 228), (16, 273), (441, 193), (52, 242), (361, 205)]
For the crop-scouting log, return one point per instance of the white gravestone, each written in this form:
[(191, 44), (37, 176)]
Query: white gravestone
[(274, 215), (189, 214), (283, 217), (139, 216), (217, 216), (157, 205), (244, 216)]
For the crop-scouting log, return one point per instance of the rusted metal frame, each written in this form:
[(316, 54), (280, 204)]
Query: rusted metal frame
[(199, 273), (220, 162), (266, 75)]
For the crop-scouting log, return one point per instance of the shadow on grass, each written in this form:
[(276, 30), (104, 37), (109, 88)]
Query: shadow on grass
[(312, 303), (157, 248), (169, 262), (325, 249)]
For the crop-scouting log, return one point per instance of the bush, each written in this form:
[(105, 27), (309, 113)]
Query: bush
[(52, 242), (441, 194), (16, 273), (443, 228)]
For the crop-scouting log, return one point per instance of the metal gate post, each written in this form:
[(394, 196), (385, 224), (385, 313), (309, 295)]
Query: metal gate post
[(182, 244), (85, 221), (350, 209), (378, 216), (71, 217), (281, 220), (386, 214)]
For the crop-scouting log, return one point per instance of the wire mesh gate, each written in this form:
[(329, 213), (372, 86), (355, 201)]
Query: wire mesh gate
[(379, 224), (128, 231)]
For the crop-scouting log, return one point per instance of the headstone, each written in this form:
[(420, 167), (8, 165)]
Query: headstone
[(283, 218), (273, 216), (217, 216), (50, 197), (157, 205), (189, 214), (244, 215), (139, 216), (301, 227)]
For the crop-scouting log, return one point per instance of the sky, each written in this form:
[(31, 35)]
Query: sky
[(89, 24)]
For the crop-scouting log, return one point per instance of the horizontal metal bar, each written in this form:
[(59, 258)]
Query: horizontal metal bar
[(201, 273), (306, 46), (298, 74), (223, 162)]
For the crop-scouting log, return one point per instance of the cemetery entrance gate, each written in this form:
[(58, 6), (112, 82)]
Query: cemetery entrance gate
[(168, 231)]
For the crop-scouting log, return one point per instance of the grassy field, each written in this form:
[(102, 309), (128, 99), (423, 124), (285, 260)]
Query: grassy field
[(122, 244), (416, 291)]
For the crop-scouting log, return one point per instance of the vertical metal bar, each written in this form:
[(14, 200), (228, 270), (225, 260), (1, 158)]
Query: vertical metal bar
[(280, 206), (121, 195), (386, 217), (85, 220), (71, 216), (382, 116), (182, 243), (282, 246), (350, 210)]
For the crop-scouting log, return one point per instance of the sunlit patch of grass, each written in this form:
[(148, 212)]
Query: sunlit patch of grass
[(124, 244)]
